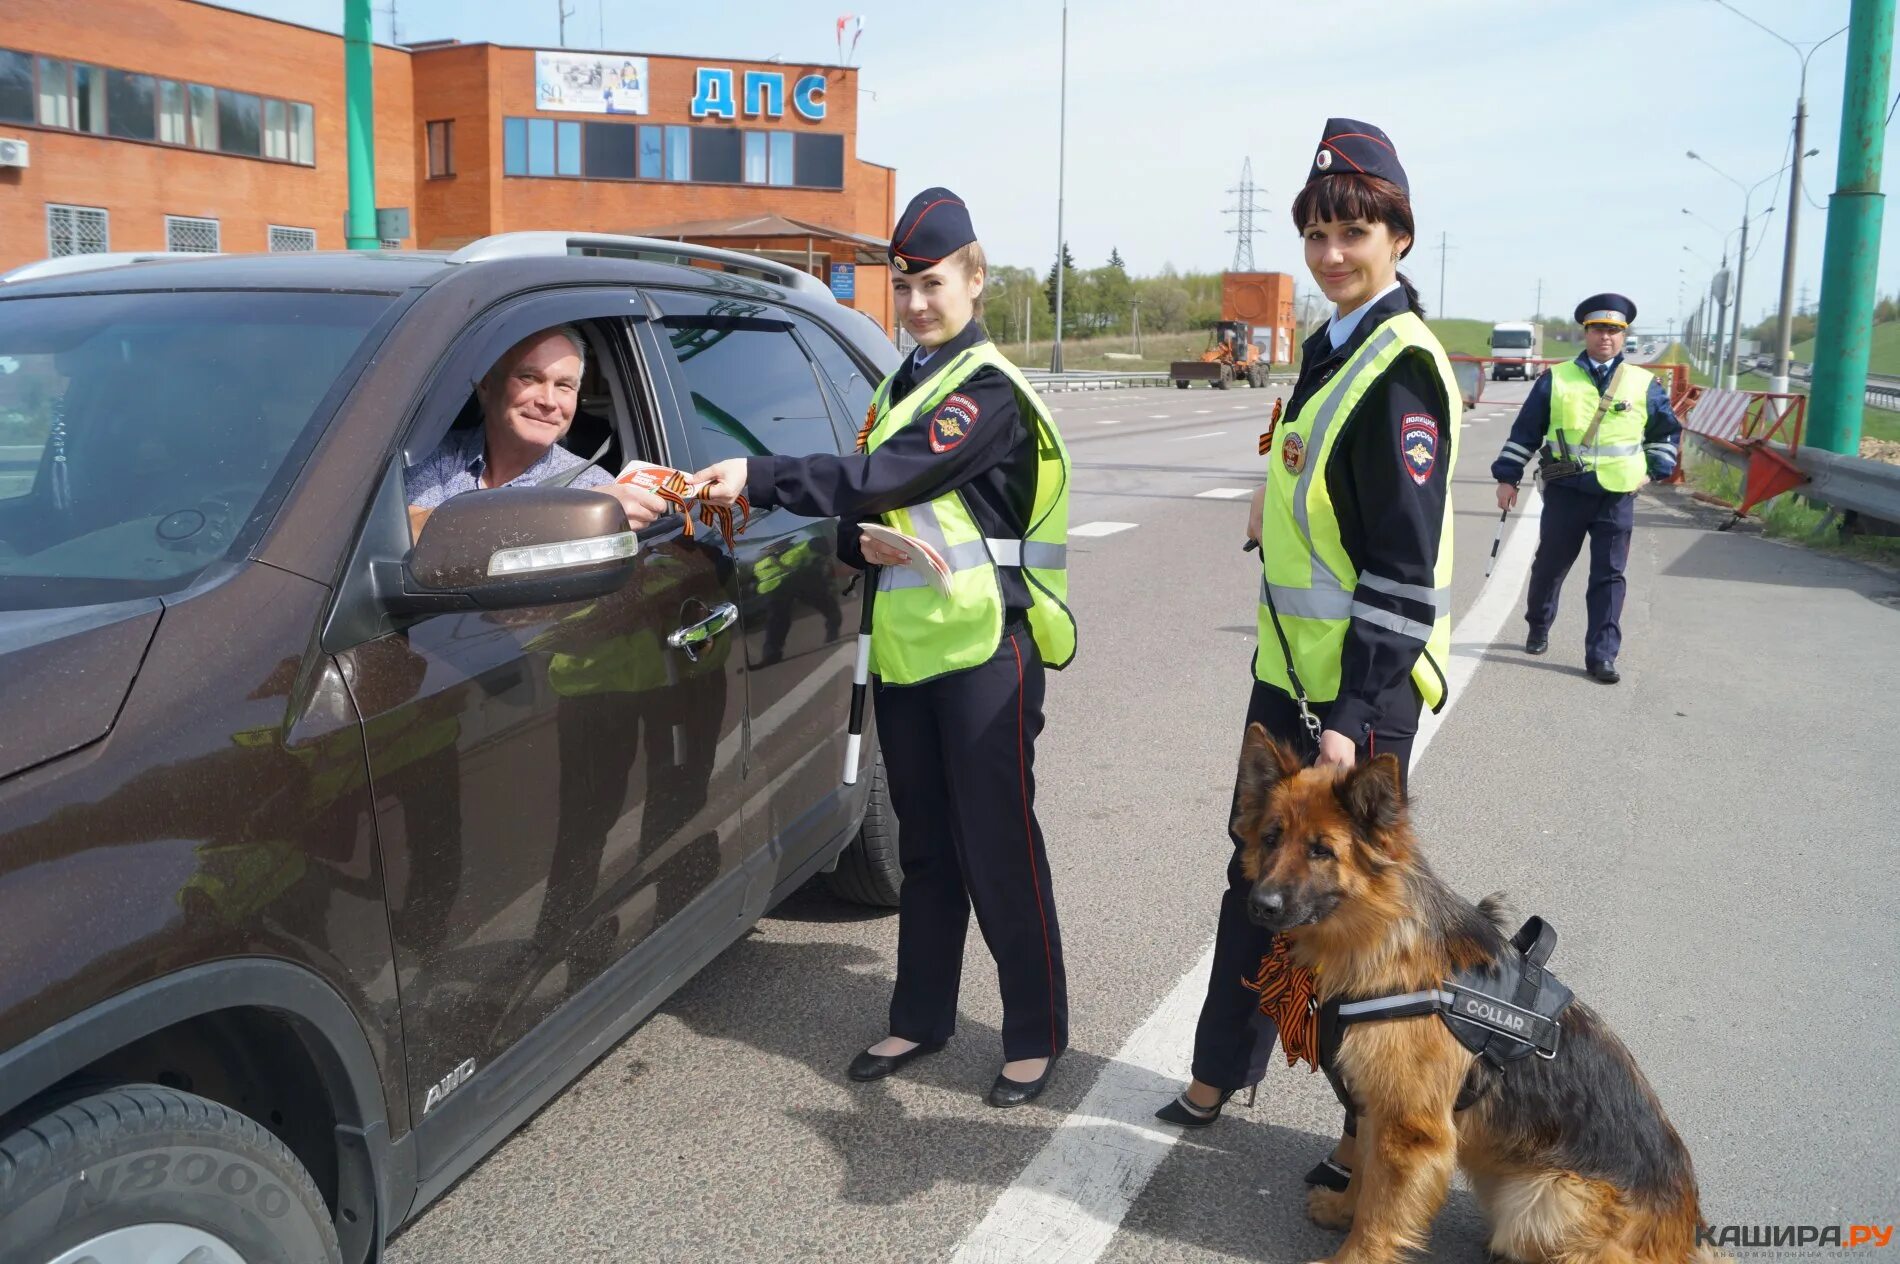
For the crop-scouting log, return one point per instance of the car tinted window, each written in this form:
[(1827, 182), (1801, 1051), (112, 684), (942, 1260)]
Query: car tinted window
[(853, 382), (144, 436), (753, 388)]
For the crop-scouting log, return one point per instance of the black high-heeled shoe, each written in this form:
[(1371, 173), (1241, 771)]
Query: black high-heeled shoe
[(1331, 1174), (1185, 1113), (875, 1066)]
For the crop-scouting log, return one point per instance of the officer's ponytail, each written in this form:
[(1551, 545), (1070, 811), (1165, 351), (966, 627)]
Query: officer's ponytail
[(1411, 295), (1351, 195)]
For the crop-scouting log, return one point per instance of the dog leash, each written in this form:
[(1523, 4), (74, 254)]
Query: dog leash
[(1307, 717)]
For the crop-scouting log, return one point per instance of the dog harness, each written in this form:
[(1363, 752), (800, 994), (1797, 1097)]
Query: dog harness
[(1503, 1012)]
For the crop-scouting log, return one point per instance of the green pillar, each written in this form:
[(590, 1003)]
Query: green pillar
[(360, 90), (1848, 274)]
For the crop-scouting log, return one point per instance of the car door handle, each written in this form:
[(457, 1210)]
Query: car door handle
[(694, 636)]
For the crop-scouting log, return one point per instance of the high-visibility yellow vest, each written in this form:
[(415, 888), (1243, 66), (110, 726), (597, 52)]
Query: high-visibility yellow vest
[(917, 635), (1304, 564), (1616, 456)]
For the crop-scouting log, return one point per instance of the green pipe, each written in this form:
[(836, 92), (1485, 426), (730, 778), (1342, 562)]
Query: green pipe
[(1849, 272), (360, 88)]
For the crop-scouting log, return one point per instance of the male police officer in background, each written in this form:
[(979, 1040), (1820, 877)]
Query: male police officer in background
[(1601, 422)]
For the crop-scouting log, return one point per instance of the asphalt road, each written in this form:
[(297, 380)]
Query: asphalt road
[(1713, 839)]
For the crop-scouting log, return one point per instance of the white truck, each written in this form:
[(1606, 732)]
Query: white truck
[(1514, 344)]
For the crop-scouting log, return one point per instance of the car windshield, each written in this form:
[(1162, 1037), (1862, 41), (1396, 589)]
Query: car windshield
[(145, 436), (1515, 338)]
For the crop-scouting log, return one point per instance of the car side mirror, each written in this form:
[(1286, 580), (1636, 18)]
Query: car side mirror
[(513, 547)]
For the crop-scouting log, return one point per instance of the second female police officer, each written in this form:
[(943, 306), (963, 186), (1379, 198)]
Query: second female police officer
[(1355, 544), (960, 452)]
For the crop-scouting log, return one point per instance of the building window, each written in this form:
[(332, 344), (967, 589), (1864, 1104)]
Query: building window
[(607, 151), (652, 153), (679, 153), (16, 87), (75, 230), (292, 240), (131, 105), (171, 111), (441, 149), (240, 124), (567, 138), (540, 147), (276, 130), (818, 160), (204, 117), (56, 94), (303, 134), (755, 149), (196, 236), (782, 157), (514, 147), (89, 100)]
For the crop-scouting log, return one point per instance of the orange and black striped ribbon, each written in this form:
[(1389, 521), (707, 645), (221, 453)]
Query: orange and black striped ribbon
[(1287, 994)]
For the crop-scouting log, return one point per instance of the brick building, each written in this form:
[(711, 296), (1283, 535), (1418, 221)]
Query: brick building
[(171, 124)]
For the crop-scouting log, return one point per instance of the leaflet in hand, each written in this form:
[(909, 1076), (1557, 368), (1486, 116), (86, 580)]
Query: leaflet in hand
[(924, 559)]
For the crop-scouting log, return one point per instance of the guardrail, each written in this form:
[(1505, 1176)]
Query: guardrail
[(1882, 391), (1760, 434), (1111, 379)]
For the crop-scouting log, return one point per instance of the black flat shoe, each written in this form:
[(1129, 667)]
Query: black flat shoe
[(1537, 643), (1184, 1112), (1331, 1175), (1605, 671), (1008, 1092), (875, 1066)]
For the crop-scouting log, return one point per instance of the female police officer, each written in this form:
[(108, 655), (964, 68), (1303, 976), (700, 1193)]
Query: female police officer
[(1355, 543), (958, 451)]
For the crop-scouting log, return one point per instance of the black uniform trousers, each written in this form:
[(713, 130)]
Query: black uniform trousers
[(1234, 1040), (959, 753), (1606, 518)]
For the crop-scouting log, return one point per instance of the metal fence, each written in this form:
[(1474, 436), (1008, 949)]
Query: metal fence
[(1113, 379)]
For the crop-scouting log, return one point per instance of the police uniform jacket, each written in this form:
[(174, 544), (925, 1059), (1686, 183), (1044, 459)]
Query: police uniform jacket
[(1662, 433), (1389, 522), (992, 461)]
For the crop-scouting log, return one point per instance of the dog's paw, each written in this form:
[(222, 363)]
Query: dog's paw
[(1330, 1208)]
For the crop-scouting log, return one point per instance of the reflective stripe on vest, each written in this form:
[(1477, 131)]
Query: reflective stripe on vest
[(917, 635), (1616, 458), (1305, 568)]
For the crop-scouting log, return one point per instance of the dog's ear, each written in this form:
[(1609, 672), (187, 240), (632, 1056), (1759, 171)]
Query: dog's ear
[(1264, 763), (1373, 797)]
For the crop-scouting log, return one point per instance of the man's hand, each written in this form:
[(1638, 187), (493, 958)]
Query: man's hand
[(642, 507), (1507, 497), (878, 553), (1336, 750), (722, 483), (1645, 483), (1255, 507)]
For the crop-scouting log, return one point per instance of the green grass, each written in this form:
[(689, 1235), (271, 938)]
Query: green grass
[(1157, 351), (1883, 359), (1463, 337), (1789, 516)]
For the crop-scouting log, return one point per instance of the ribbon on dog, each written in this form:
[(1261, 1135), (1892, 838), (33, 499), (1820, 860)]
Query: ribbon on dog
[(1287, 993)]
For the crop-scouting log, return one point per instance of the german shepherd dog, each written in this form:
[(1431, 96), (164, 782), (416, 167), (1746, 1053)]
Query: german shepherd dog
[(1571, 1157)]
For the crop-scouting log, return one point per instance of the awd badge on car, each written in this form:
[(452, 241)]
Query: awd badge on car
[(448, 1084)]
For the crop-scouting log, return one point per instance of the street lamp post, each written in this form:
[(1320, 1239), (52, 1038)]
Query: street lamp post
[(1741, 260), (1062, 140), (1784, 324)]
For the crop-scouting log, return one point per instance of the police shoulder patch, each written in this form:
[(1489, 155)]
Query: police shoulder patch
[(1418, 445), (952, 422)]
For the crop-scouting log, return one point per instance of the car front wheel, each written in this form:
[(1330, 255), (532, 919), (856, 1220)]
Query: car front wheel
[(147, 1175), (868, 870)]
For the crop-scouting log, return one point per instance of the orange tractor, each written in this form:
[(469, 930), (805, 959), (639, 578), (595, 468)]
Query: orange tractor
[(1231, 356)]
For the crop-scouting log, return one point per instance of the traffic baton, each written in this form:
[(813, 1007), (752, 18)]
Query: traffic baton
[(1495, 541), (860, 680)]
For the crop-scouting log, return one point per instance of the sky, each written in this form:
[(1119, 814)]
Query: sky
[(1545, 141)]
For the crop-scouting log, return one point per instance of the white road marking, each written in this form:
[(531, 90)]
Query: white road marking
[(1212, 434), (1106, 421), (1202, 411), (1067, 1204), (1151, 416), (1223, 493), (1102, 528)]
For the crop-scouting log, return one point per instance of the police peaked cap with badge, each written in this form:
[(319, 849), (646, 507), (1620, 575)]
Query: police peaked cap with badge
[(933, 227), (1349, 147), (1606, 309)]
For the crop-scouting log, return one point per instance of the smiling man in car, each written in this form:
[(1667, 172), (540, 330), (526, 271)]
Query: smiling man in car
[(528, 401)]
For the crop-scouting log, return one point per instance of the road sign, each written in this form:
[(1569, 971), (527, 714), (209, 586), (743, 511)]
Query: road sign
[(844, 280)]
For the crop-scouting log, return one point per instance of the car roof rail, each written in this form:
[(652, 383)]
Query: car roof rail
[(66, 265), (528, 245)]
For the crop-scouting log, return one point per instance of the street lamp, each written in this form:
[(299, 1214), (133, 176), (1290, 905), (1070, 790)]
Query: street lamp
[(1784, 324), (1741, 258), (1062, 141)]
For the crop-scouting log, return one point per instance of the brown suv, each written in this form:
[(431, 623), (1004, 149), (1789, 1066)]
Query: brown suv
[(327, 855)]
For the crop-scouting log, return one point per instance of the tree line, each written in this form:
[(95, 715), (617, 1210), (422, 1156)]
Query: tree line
[(1097, 302)]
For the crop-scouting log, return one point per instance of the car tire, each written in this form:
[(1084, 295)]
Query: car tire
[(869, 871), (139, 1172)]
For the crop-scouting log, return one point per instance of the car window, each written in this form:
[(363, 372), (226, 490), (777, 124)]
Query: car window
[(144, 436), (854, 383), (753, 388)]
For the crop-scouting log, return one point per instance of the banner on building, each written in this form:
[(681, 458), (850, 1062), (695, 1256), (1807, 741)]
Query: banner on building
[(590, 83)]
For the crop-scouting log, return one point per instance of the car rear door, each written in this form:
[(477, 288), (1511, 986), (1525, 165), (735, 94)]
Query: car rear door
[(743, 385)]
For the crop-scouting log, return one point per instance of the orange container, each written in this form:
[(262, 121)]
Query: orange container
[(1265, 301)]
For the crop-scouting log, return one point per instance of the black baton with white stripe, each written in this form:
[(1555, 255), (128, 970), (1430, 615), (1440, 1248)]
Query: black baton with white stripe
[(860, 680), (1495, 541)]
